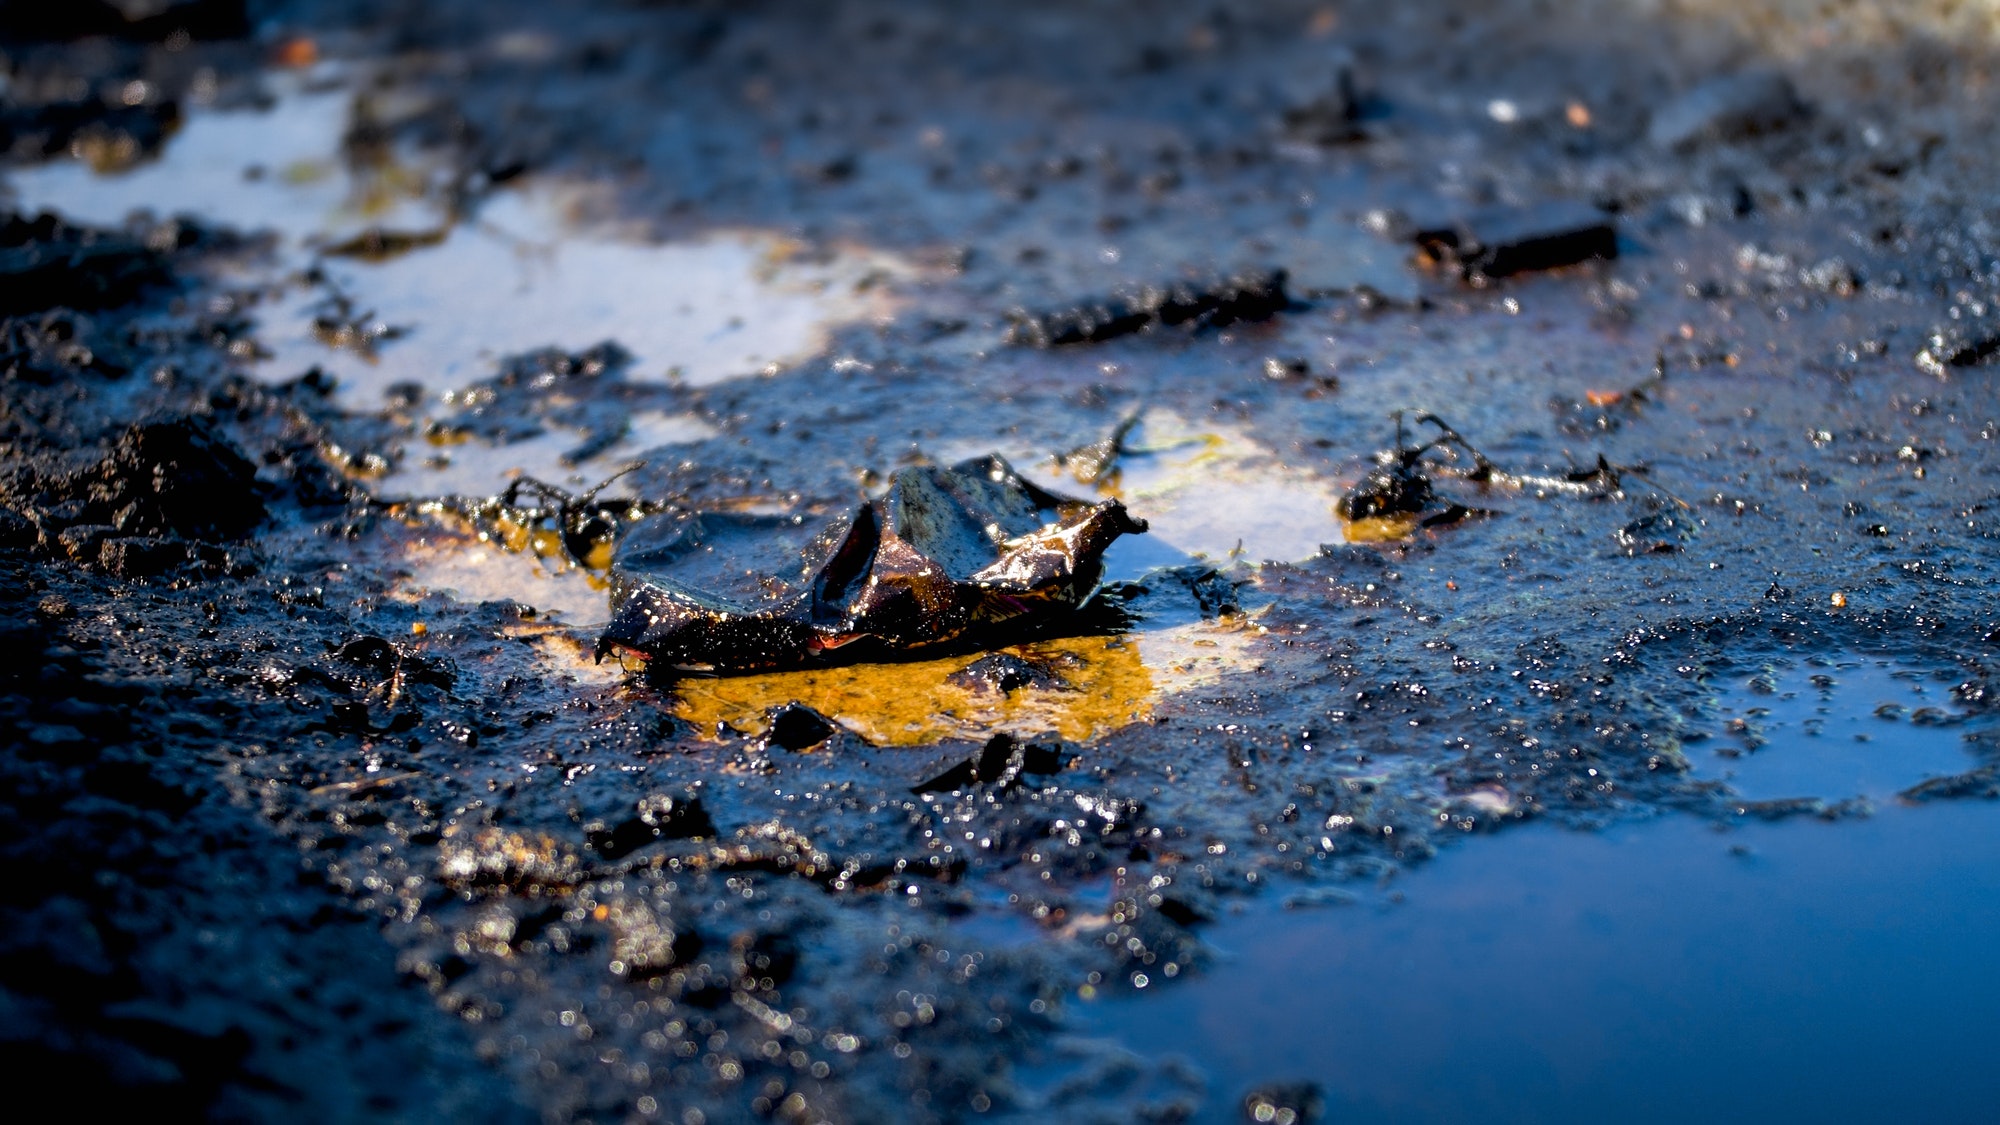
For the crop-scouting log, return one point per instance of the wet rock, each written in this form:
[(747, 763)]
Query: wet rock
[(1657, 533), (1210, 302), (654, 817), (1982, 782), (549, 386), (45, 262), (946, 555), (1501, 242), (1727, 108), (797, 727), (177, 476), (1003, 673)]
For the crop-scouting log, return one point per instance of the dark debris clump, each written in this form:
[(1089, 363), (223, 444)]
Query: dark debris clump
[(1192, 305), (943, 554)]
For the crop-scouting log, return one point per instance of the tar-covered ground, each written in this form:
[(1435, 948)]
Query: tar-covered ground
[(317, 803)]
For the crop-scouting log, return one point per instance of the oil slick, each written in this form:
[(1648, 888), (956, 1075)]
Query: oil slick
[(1103, 683)]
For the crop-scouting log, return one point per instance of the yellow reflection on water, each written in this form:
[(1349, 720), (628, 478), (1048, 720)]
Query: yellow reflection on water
[(1112, 682), (910, 704)]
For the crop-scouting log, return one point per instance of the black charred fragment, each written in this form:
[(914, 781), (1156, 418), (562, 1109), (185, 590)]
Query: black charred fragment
[(1398, 484), (797, 727), (1211, 302), (946, 555), (1502, 242)]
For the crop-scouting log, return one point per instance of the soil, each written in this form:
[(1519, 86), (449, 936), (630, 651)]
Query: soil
[(294, 828)]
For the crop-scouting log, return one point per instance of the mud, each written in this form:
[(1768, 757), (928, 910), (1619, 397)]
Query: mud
[(318, 798)]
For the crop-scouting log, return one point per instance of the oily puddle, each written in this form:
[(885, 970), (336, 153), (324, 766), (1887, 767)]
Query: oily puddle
[(1833, 727), (442, 297), (1664, 971), (431, 469), (515, 564), (1081, 687), (1208, 493), (1096, 684)]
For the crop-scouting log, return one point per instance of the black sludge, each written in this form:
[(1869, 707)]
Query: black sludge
[(944, 554)]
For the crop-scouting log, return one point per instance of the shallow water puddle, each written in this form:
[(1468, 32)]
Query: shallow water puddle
[(1833, 728), (276, 169), (1658, 972), (454, 560), (1207, 493), (479, 468), (527, 270)]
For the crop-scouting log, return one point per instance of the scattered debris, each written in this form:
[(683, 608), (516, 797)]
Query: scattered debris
[(1390, 501), (1210, 302), (945, 554), (532, 515), (535, 389), (1956, 346), (1605, 411)]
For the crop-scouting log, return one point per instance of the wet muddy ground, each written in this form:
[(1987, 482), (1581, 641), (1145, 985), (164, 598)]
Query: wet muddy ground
[(1630, 754)]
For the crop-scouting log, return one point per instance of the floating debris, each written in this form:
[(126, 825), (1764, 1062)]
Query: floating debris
[(944, 554)]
